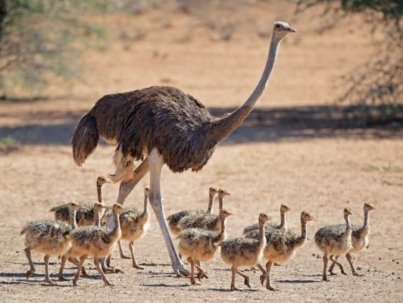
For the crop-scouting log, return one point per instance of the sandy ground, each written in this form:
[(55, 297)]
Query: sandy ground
[(285, 153)]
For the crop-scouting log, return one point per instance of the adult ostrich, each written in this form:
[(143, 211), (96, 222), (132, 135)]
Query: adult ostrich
[(162, 125)]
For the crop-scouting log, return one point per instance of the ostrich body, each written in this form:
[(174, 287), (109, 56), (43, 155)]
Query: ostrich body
[(206, 221), (270, 226), (173, 220), (244, 251), (200, 245), (49, 238), (281, 247), (162, 125), (334, 241), (359, 238), (85, 214), (95, 242)]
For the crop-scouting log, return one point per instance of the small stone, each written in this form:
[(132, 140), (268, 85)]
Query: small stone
[(359, 268), (397, 262), (393, 273), (313, 255), (398, 278), (317, 257), (393, 260), (379, 258), (368, 270)]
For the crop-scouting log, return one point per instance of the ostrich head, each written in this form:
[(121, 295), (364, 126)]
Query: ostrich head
[(284, 208), (263, 218), (73, 206), (305, 217), (368, 207), (222, 193), (281, 29), (347, 212), (213, 191), (101, 181), (224, 214)]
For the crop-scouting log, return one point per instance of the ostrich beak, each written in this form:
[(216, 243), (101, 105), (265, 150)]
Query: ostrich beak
[(290, 29)]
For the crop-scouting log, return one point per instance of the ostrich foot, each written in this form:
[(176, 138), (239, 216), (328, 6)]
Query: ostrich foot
[(181, 271), (263, 278), (246, 282), (29, 273), (137, 267), (49, 281), (269, 287), (201, 275), (234, 288)]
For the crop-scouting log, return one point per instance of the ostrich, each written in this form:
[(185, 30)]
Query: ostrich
[(162, 125)]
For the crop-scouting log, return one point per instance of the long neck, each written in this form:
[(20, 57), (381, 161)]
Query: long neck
[(366, 219), (99, 192), (221, 235), (210, 202), (302, 239), (116, 231), (97, 217), (348, 223), (73, 221), (145, 207), (220, 202), (262, 235), (283, 223), (223, 127)]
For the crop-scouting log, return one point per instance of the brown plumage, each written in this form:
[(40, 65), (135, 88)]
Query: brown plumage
[(85, 214), (173, 220), (95, 242), (271, 226), (360, 240), (244, 251), (49, 238), (334, 240), (281, 246), (200, 245), (163, 125), (206, 221)]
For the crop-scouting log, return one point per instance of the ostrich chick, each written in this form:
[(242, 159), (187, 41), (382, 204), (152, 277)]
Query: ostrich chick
[(200, 245), (95, 242), (244, 251), (98, 210), (206, 221), (85, 214), (49, 238), (173, 220), (281, 246), (360, 240), (334, 241), (134, 226), (271, 226)]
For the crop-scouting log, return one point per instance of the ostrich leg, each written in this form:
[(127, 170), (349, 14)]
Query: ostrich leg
[(127, 186), (155, 164)]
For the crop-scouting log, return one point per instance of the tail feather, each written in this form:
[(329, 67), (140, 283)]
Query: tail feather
[(53, 209), (85, 138), (23, 231)]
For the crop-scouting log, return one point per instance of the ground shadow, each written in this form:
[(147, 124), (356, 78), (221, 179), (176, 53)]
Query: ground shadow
[(263, 125), (298, 281)]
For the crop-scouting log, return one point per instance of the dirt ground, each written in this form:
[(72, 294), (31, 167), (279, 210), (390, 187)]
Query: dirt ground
[(285, 153)]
